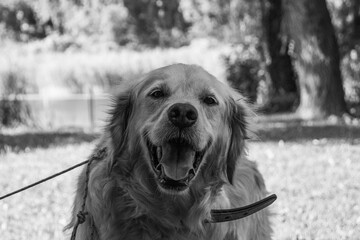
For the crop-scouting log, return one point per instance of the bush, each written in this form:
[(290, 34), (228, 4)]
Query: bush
[(351, 72), (75, 72), (12, 110), (20, 22), (243, 72), (116, 27)]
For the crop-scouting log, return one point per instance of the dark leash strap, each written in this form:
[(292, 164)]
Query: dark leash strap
[(43, 180), (225, 215), (81, 215)]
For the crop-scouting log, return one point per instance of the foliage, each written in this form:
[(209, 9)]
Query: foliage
[(116, 25), (243, 71), (12, 110), (75, 72), (20, 21), (158, 23), (346, 20), (230, 20), (150, 23), (351, 72), (93, 35)]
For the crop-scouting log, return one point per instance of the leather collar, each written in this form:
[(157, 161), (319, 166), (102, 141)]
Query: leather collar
[(226, 215)]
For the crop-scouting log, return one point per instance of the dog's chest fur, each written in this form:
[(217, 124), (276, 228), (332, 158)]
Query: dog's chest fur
[(169, 219), (143, 228)]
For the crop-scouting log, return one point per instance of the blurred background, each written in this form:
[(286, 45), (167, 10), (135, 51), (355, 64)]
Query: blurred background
[(296, 61)]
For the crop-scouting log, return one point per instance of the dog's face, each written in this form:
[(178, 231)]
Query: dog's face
[(183, 119)]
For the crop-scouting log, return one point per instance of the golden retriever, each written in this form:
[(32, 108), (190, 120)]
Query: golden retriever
[(175, 149)]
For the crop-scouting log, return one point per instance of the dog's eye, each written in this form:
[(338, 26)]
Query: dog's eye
[(210, 100), (157, 94)]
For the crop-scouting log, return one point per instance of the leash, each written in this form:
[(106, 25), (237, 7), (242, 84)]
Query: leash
[(43, 180), (81, 215)]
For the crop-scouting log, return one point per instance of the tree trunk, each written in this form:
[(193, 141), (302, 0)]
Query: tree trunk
[(283, 92), (280, 67), (316, 58)]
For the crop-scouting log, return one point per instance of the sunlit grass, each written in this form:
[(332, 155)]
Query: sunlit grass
[(316, 182), (42, 212), (317, 188)]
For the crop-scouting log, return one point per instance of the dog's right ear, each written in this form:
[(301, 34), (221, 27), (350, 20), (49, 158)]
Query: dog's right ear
[(119, 118)]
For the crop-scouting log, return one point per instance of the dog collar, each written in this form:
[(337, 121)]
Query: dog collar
[(226, 215)]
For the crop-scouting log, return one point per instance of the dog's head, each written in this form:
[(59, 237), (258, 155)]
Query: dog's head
[(182, 124)]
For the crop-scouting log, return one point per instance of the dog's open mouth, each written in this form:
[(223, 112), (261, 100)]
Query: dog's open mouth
[(175, 163)]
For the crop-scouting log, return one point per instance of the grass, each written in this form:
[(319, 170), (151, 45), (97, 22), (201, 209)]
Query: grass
[(316, 177), (42, 212), (317, 188)]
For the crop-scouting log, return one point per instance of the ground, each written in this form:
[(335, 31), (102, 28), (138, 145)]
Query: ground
[(314, 169)]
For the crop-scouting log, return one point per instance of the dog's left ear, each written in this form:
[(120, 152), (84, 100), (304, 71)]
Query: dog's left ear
[(238, 124)]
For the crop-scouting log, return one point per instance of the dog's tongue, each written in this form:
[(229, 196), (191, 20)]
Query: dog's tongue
[(177, 160)]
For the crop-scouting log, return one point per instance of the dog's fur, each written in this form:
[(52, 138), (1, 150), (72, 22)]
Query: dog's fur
[(125, 199)]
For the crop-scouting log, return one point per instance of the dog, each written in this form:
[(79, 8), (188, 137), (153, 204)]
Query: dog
[(175, 150)]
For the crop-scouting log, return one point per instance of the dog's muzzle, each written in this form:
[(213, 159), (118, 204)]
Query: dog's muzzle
[(175, 163)]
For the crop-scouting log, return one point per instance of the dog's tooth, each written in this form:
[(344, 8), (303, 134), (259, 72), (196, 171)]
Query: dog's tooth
[(158, 153), (158, 167), (186, 181), (162, 174), (191, 173)]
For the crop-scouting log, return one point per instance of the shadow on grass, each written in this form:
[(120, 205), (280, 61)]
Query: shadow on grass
[(24, 141), (298, 132), (290, 127), (267, 131)]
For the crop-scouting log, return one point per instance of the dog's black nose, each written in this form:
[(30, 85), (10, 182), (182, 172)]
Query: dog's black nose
[(182, 115)]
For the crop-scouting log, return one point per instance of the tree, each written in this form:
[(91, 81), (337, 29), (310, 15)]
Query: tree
[(158, 22), (346, 20), (279, 66), (316, 58)]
